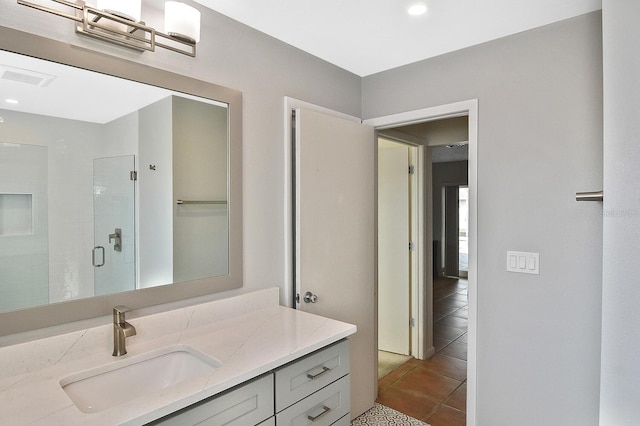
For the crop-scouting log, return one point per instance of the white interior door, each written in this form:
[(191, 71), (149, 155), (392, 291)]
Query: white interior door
[(335, 235), (114, 223), (393, 247)]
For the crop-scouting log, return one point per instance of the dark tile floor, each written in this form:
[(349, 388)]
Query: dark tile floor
[(435, 390)]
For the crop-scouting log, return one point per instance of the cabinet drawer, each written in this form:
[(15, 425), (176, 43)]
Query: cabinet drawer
[(324, 407), (271, 421), (344, 421), (248, 404), (307, 375)]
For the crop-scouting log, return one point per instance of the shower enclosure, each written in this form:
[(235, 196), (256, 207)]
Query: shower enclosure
[(113, 256)]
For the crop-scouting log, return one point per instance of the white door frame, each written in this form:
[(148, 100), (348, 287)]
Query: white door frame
[(469, 108)]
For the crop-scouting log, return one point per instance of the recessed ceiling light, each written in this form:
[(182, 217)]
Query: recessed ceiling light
[(417, 9), (11, 101)]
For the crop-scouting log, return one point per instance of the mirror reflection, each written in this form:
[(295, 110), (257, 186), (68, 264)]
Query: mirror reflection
[(106, 185)]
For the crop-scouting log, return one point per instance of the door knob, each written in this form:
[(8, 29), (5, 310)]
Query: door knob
[(310, 297)]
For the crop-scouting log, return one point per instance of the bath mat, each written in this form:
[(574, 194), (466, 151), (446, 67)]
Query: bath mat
[(381, 415)]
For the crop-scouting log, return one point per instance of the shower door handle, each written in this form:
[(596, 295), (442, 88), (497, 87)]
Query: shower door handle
[(93, 256), (117, 238)]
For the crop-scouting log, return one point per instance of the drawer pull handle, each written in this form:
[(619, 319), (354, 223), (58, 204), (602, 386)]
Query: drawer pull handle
[(315, 376), (325, 410)]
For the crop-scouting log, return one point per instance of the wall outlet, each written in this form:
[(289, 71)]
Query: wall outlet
[(523, 262)]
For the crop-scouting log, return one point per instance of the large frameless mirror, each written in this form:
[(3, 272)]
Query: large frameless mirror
[(112, 184)]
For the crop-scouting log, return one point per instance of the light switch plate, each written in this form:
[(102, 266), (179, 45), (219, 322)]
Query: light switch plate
[(523, 262)]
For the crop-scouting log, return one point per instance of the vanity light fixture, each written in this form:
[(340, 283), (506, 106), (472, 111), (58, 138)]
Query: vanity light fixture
[(118, 21)]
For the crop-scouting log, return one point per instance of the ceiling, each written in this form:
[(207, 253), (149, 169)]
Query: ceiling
[(60, 97), (61, 94), (370, 36)]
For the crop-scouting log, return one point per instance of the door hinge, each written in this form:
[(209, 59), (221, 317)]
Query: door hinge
[(297, 297), (412, 322), (133, 175), (410, 245), (412, 170)]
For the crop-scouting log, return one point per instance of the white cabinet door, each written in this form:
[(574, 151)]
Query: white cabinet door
[(248, 404), (335, 234)]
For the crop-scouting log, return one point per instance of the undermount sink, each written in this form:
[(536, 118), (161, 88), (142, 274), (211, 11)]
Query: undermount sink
[(121, 381)]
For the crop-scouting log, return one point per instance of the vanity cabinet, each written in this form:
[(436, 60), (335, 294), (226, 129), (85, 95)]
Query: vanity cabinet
[(314, 389), (248, 404), (311, 390)]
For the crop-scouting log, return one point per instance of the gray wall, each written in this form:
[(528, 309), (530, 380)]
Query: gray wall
[(454, 172), (539, 142), (621, 293), (265, 70)]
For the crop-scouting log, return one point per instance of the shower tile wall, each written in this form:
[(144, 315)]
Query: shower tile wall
[(23, 225), (71, 147)]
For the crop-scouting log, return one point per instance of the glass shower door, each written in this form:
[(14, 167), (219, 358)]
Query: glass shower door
[(113, 256)]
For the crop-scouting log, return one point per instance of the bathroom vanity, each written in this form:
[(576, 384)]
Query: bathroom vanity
[(244, 360)]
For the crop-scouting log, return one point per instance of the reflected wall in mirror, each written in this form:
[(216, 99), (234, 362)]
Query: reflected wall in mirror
[(106, 185)]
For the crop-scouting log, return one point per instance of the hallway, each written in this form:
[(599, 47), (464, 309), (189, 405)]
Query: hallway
[(434, 390)]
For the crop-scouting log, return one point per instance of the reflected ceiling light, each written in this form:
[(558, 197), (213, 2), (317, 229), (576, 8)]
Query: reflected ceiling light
[(11, 101), (417, 9), (119, 22)]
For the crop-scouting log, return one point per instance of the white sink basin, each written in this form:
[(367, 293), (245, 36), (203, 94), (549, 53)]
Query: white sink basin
[(112, 384)]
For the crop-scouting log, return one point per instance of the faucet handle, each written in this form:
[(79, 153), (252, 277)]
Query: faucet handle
[(118, 313)]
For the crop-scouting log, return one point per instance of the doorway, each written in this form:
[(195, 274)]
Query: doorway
[(425, 300), (467, 109)]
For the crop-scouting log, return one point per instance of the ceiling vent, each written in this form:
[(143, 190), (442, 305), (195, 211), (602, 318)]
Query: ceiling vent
[(20, 75)]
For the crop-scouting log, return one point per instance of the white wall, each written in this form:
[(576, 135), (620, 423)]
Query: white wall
[(620, 384), (70, 164), (24, 249), (539, 142), (155, 195)]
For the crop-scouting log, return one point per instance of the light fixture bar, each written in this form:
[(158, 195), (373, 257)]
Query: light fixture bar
[(115, 29), (135, 35), (54, 11)]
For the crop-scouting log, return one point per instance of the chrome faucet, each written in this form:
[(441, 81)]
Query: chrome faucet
[(121, 330)]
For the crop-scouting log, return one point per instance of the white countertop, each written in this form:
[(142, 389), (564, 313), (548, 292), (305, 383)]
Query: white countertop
[(249, 334)]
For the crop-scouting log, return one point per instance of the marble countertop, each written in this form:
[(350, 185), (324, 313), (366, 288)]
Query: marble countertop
[(249, 334)]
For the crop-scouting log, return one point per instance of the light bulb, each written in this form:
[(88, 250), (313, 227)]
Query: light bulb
[(182, 20)]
